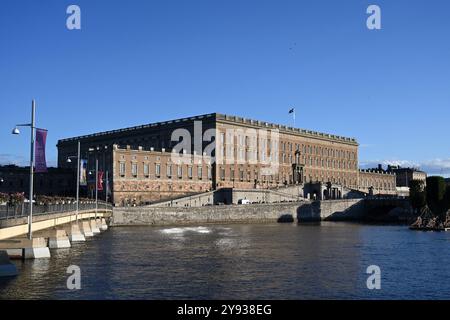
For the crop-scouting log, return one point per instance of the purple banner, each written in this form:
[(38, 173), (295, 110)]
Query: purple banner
[(40, 163)]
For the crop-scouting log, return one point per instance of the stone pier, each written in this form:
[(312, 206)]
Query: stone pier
[(86, 229), (94, 226), (104, 225), (58, 239), (35, 248), (74, 232)]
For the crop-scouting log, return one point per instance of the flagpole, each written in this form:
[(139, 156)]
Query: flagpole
[(294, 117), (78, 182), (106, 190), (96, 186), (33, 125)]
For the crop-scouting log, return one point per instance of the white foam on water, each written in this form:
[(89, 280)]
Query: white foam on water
[(173, 231), (199, 230), (181, 231)]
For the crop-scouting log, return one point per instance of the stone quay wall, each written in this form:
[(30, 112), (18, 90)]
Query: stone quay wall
[(302, 211)]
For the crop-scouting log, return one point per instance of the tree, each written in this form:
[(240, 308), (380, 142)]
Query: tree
[(417, 194), (435, 194), (447, 198)]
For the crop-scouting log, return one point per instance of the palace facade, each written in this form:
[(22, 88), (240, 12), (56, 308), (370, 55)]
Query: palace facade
[(184, 156)]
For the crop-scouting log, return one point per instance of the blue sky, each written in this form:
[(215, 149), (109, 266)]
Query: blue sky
[(136, 62)]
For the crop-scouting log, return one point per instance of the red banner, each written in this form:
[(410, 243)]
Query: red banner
[(40, 162), (100, 181)]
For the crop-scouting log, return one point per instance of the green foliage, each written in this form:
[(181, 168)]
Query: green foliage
[(4, 197), (436, 189), (17, 198), (417, 194), (447, 199)]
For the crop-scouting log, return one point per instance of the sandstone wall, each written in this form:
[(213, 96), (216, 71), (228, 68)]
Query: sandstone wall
[(302, 211)]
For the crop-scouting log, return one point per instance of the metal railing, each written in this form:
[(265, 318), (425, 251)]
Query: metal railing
[(21, 210)]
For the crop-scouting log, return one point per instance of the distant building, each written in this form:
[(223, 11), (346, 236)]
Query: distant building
[(377, 181), (405, 175), (55, 182)]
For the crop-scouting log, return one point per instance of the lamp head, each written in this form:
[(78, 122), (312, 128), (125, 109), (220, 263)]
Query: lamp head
[(68, 160), (15, 131)]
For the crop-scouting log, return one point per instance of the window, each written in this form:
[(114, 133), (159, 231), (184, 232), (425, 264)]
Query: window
[(122, 169), (241, 154), (222, 173), (190, 172), (158, 170), (249, 155), (134, 169), (180, 171), (146, 171), (241, 140), (209, 173), (169, 170), (200, 172), (241, 175)]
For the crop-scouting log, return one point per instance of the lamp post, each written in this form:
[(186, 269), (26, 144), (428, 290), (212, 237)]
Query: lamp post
[(16, 131), (78, 179), (96, 187)]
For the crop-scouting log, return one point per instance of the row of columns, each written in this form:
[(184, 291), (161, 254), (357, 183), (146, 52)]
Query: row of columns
[(54, 238)]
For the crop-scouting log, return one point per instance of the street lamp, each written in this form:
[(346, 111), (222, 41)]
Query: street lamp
[(16, 131), (78, 178), (96, 178)]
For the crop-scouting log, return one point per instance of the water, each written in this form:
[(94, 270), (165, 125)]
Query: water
[(260, 261)]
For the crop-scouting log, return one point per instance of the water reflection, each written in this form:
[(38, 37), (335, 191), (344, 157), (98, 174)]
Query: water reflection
[(279, 261)]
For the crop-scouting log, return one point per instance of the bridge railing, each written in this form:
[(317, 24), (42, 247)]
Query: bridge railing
[(22, 210)]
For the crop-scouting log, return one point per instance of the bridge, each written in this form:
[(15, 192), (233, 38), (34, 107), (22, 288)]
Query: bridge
[(52, 228)]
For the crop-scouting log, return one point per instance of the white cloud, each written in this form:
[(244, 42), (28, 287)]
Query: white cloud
[(437, 166), (431, 167)]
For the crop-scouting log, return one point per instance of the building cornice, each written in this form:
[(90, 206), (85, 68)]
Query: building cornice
[(227, 119)]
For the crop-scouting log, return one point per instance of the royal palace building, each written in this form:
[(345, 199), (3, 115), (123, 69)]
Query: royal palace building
[(170, 159)]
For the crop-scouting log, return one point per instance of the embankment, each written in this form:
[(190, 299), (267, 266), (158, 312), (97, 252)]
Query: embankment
[(303, 211)]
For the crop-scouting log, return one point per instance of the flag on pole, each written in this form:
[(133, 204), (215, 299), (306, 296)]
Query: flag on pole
[(293, 114), (39, 150), (83, 172), (100, 181)]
